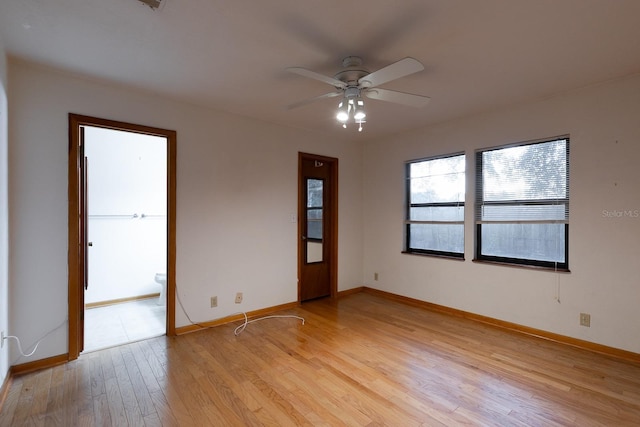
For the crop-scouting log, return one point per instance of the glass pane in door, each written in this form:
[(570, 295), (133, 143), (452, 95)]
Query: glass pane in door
[(314, 220)]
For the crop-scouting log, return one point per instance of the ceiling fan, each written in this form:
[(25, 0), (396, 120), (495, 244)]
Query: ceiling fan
[(353, 82)]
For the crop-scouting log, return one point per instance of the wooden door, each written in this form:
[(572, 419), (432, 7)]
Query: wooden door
[(318, 225), (83, 226)]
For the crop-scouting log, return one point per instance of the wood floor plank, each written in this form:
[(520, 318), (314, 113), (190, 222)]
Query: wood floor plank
[(11, 402), (141, 358), (195, 402), (298, 383), (97, 378), (24, 398), (54, 415), (102, 415), (216, 390), (71, 393), (83, 392), (169, 414), (167, 399), (139, 388), (130, 402), (225, 389), (362, 360), (42, 387), (114, 402)]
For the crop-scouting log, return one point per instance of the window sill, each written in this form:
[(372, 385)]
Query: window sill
[(451, 257), (527, 267)]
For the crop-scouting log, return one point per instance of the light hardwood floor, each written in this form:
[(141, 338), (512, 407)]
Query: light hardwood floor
[(360, 361)]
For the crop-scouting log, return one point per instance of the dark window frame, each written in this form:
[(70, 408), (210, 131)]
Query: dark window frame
[(480, 203), (408, 205)]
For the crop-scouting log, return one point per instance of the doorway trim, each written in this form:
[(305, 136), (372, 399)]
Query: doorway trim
[(333, 215), (76, 241)]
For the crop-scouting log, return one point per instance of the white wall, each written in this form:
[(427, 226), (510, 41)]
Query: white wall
[(604, 126), (4, 218), (237, 189), (127, 213)]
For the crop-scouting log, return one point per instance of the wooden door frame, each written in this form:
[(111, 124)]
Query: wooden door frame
[(333, 215), (75, 264)]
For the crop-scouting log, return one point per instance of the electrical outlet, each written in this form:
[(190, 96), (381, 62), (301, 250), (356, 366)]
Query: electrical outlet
[(585, 319), (214, 302), (375, 276), (238, 297), (1, 339)]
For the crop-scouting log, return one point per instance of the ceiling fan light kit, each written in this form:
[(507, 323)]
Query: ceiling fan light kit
[(353, 82), (351, 106), (358, 111), (343, 111), (348, 108)]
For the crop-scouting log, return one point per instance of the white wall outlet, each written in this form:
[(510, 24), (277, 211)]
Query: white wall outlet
[(375, 276), (585, 319), (238, 297), (214, 302)]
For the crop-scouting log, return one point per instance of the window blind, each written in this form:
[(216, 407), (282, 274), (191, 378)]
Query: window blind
[(524, 183), (522, 203)]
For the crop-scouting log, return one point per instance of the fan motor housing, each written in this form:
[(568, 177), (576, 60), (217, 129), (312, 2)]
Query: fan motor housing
[(351, 92), (351, 77), (353, 71)]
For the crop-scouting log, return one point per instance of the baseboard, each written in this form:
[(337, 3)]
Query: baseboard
[(352, 291), (120, 300), (514, 327), (36, 365), (4, 390), (234, 318), (256, 313)]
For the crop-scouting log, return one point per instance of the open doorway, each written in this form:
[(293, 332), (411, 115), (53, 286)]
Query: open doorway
[(121, 233), (125, 296)]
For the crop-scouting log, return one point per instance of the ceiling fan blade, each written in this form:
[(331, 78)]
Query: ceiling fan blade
[(317, 76), (409, 99), (310, 100), (402, 68)]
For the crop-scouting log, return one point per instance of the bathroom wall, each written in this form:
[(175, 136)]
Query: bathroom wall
[(127, 213)]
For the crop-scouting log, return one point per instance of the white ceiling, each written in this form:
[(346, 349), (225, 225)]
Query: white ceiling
[(232, 54)]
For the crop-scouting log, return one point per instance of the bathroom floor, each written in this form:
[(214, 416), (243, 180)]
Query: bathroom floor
[(119, 324)]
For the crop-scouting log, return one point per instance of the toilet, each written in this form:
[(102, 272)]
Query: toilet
[(161, 278)]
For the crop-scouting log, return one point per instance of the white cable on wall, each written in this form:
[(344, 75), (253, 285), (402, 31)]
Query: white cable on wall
[(20, 346), (185, 311), (240, 328), (22, 353)]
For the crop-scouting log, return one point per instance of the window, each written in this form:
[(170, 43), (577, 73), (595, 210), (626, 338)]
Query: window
[(314, 209), (435, 206), (522, 204)]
